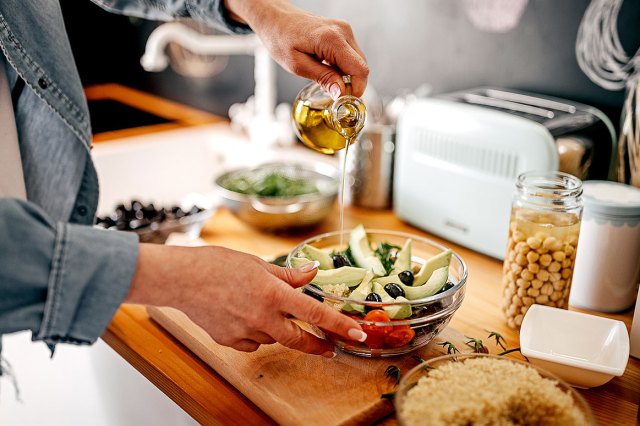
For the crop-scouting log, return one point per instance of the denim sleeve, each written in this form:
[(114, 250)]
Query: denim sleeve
[(63, 282), (210, 12)]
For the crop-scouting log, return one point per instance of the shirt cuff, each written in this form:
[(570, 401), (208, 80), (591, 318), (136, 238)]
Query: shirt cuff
[(91, 272), (214, 13)]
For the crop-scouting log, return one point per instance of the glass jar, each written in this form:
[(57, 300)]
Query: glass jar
[(543, 238), (324, 124)]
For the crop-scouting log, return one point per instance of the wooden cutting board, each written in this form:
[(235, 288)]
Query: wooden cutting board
[(300, 389)]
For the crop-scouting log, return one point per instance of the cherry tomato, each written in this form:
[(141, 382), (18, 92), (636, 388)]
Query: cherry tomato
[(375, 341), (377, 315), (399, 336)]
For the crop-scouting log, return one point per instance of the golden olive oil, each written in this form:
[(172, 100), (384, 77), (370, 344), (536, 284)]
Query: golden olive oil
[(316, 129), (328, 126)]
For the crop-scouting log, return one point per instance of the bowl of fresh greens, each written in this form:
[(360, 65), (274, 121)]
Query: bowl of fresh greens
[(402, 288), (277, 196)]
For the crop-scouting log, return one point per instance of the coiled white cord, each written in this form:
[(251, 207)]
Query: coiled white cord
[(599, 51)]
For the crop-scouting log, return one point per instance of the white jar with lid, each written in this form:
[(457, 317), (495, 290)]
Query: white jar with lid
[(607, 268)]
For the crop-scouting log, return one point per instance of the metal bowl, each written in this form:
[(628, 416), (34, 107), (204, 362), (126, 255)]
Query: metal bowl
[(278, 212)]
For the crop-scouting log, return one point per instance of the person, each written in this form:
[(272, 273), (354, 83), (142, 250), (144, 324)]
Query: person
[(63, 279)]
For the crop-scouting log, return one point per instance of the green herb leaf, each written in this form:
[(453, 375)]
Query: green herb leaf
[(271, 185), (387, 254), (388, 395), (451, 348), (477, 345), (499, 339), (393, 372), (418, 359)]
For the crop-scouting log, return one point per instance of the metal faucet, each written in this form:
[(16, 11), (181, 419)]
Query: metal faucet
[(262, 105)]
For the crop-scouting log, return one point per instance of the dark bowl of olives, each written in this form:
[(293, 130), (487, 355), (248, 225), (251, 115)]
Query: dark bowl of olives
[(394, 311), (154, 224)]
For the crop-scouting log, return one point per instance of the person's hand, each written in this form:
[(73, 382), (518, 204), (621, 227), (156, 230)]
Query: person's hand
[(239, 299), (314, 47)]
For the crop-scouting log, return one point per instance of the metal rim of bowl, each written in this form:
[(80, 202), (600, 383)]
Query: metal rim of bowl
[(436, 297), (404, 381), (321, 168)]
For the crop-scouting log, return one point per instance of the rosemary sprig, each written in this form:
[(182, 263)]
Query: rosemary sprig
[(388, 395), (477, 345), (509, 351), (418, 359), (451, 348), (393, 372), (500, 341)]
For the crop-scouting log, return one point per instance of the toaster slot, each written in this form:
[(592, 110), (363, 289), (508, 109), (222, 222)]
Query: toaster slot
[(472, 98)]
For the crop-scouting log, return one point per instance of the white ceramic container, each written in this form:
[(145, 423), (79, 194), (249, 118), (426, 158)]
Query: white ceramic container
[(584, 350), (607, 266)]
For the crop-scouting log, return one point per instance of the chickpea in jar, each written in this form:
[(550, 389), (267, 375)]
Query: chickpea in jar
[(538, 266)]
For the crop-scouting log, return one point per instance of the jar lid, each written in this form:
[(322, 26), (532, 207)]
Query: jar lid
[(611, 198)]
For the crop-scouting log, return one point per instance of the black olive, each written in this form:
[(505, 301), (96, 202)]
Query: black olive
[(177, 212), (122, 226), (120, 214), (138, 223), (136, 205), (149, 211), (340, 260), (406, 277), (373, 297), (194, 210), (313, 294), (446, 287), (394, 290), (424, 310), (161, 216)]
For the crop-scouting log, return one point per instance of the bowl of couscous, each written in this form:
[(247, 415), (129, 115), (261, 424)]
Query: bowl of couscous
[(482, 389)]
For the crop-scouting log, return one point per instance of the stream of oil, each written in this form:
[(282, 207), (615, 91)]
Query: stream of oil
[(342, 187)]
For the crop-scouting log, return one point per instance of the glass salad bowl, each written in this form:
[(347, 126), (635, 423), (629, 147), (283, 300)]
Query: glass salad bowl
[(394, 324)]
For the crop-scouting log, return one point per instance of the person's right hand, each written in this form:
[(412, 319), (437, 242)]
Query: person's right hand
[(239, 299), (318, 48)]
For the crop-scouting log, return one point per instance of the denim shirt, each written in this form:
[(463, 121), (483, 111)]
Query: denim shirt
[(60, 277)]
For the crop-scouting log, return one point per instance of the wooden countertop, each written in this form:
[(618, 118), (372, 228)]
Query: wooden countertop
[(211, 400)]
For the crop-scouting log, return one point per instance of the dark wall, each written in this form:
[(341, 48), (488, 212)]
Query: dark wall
[(407, 42)]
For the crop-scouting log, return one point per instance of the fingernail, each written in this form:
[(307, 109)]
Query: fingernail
[(357, 335), (334, 90), (329, 354), (309, 266)]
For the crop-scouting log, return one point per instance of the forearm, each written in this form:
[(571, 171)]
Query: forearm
[(161, 276), (254, 13), (61, 281)]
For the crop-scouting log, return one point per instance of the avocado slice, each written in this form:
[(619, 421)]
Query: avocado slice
[(347, 275), (297, 262), (403, 261), (386, 280), (395, 311), (322, 256), (437, 280), (359, 294), (362, 253), (438, 261)]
